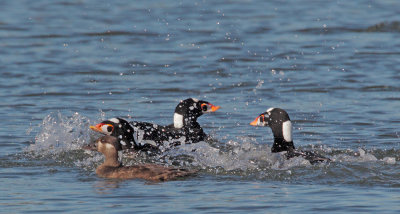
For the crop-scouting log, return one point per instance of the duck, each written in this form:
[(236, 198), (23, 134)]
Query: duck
[(279, 122), (149, 136), (185, 120), (112, 168), (131, 135)]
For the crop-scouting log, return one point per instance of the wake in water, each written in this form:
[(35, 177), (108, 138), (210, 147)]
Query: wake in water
[(61, 138)]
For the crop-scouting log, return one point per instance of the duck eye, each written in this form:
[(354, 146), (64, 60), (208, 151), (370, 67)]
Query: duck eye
[(204, 107), (109, 129)]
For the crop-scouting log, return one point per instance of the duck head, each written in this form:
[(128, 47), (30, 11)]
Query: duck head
[(119, 128), (187, 112), (279, 122)]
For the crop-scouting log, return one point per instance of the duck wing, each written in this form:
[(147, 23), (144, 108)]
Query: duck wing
[(308, 155), (152, 172)]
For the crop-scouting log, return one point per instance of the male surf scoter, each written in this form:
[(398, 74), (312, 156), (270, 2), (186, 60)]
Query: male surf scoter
[(144, 135), (112, 168), (185, 120), (279, 122)]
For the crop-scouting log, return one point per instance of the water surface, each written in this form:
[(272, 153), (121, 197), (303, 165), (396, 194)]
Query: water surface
[(334, 66)]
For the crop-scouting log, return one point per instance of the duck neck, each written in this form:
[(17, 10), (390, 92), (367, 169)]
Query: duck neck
[(111, 159), (186, 120), (125, 136), (192, 123), (280, 145)]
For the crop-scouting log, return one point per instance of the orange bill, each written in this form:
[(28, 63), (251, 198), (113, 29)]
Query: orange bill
[(255, 122), (97, 128), (214, 108)]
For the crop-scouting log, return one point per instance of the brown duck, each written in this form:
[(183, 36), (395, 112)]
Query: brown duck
[(112, 168)]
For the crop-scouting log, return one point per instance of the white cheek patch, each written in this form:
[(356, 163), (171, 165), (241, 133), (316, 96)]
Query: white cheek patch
[(287, 131), (178, 120), (109, 146), (114, 120), (99, 144)]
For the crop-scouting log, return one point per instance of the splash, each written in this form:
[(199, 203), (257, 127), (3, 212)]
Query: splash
[(234, 156), (61, 138), (361, 156), (60, 134)]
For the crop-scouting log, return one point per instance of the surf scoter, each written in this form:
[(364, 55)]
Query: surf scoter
[(144, 135), (112, 168), (185, 120), (279, 122)]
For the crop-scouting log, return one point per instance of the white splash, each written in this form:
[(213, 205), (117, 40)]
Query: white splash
[(60, 133), (243, 156)]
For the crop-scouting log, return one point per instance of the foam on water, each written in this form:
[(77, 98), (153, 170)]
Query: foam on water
[(243, 156), (61, 138)]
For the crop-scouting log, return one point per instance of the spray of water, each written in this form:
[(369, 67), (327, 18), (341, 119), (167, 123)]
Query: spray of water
[(61, 138)]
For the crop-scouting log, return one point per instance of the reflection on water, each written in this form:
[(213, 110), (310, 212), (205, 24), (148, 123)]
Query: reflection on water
[(106, 186)]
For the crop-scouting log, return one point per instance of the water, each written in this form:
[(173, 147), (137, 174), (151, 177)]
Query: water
[(333, 66)]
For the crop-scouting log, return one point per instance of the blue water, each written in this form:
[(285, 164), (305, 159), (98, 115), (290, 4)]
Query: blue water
[(333, 65)]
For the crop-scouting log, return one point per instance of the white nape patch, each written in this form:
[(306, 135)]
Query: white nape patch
[(196, 100), (114, 120), (269, 110), (287, 131), (178, 120)]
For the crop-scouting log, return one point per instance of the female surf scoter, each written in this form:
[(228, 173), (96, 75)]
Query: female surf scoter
[(279, 122), (144, 135), (112, 168)]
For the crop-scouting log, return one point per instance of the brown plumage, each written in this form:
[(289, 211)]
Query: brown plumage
[(112, 168)]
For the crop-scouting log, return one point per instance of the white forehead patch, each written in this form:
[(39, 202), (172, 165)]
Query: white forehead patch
[(287, 131), (196, 100), (269, 110), (178, 120), (114, 120)]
